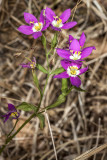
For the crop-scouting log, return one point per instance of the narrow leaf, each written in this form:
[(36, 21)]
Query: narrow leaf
[(42, 120), (58, 70), (41, 68), (43, 41), (54, 41), (80, 89), (27, 107), (64, 87)]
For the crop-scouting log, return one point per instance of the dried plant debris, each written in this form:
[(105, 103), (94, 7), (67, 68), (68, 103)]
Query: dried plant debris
[(79, 125)]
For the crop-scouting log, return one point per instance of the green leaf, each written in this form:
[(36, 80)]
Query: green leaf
[(54, 41), (43, 41), (42, 68), (61, 99), (80, 89), (58, 70), (42, 120), (27, 107), (35, 79), (64, 87)]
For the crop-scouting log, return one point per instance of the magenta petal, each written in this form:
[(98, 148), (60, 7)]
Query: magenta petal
[(69, 25), (87, 51), (70, 39), (75, 46), (24, 65), (11, 107), (37, 34), (45, 26), (30, 18), (25, 29), (55, 28), (62, 75), (75, 81), (65, 64), (83, 70), (6, 117), (63, 53), (77, 64), (49, 14), (65, 15), (82, 39), (42, 17)]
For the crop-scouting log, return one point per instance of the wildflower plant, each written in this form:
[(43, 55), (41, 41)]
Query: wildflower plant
[(71, 70)]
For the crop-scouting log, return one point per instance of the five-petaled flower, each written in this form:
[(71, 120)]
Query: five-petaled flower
[(58, 23), (75, 52), (31, 64), (72, 71), (35, 27), (11, 113)]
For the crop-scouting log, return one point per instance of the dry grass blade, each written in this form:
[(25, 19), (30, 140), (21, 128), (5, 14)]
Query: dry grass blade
[(91, 152)]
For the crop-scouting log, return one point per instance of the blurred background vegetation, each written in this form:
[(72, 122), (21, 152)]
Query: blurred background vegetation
[(78, 125)]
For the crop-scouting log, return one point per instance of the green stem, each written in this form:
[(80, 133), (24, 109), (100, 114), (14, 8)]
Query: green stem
[(12, 129), (11, 137)]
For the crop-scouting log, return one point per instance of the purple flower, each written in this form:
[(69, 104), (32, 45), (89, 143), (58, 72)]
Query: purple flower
[(31, 64), (72, 71), (35, 28), (58, 23), (11, 113), (75, 52)]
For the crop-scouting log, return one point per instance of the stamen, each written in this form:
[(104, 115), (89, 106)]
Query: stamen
[(79, 52), (14, 114), (31, 22), (71, 51), (32, 65)]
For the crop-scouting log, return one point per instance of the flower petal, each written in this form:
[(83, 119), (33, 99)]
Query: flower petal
[(49, 14), (45, 26), (70, 39), (83, 70), (65, 63), (75, 46), (65, 15), (55, 28), (17, 116), (87, 51), (42, 17), (24, 65), (11, 107), (75, 81), (6, 117), (62, 75), (30, 18), (76, 63), (63, 53), (69, 25), (82, 39), (37, 34), (25, 29)]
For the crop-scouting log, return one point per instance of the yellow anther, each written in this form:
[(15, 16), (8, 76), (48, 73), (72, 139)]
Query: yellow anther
[(31, 22), (32, 65), (70, 41), (71, 51), (73, 67), (79, 52), (59, 21), (73, 72), (14, 114), (55, 17), (76, 52), (38, 27)]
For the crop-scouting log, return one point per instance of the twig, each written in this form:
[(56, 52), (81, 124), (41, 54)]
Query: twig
[(51, 134)]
